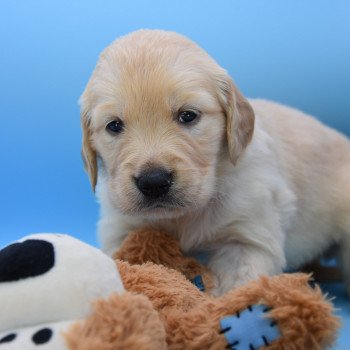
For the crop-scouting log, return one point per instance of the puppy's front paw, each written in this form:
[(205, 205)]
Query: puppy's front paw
[(250, 328)]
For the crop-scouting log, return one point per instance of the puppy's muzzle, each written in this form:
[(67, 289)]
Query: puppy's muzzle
[(154, 183)]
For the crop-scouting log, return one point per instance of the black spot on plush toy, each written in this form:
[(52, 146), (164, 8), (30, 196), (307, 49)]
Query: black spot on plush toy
[(34, 257)]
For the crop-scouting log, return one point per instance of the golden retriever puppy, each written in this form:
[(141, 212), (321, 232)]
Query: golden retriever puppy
[(172, 143)]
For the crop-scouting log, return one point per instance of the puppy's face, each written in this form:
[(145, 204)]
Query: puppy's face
[(158, 112)]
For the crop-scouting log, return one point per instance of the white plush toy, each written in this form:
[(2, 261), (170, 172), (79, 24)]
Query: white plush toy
[(47, 282)]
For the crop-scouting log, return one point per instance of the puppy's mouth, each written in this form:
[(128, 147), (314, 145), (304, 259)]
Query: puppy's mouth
[(163, 206), (166, 202)]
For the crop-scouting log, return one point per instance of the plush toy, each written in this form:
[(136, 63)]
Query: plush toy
[(59, 293)]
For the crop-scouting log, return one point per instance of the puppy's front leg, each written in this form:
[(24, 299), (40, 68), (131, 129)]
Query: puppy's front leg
[(240, 261)]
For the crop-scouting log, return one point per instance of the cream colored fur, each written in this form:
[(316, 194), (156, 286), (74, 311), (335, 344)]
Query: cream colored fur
[(258, 185)]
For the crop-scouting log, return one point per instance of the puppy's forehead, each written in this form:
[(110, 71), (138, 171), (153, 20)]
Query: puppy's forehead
[(153, 70)]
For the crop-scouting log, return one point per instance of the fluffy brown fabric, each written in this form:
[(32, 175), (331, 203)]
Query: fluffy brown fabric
[(167, 289), (173, 314), (123, 322), (181, 306), (155, 246), (303, 315)]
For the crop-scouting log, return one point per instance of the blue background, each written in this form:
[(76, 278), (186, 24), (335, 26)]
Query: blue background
[(296, 52)]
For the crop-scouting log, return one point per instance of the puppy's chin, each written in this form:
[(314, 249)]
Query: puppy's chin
[(168, 207)]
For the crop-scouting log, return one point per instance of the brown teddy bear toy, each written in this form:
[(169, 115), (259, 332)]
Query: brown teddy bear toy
[(167, 305)]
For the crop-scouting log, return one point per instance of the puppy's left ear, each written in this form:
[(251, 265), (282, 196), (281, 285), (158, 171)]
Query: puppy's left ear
[(239, 117)]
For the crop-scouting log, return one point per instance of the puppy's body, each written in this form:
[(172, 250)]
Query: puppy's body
[(253, 201)]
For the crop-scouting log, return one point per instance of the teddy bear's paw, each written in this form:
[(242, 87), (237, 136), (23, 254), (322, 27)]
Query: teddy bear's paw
[(249, 329)]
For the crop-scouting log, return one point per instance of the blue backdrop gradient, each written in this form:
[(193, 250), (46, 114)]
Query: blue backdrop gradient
[(296, 52)]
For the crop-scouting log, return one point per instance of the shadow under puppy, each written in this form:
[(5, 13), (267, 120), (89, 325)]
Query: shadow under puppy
[(175, 145)]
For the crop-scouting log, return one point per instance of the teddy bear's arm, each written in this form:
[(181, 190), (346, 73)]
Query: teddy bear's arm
[(150, 245), (167, 289)]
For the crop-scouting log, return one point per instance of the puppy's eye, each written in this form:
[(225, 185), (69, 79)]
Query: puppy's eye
[(115, 126), (187, 116)]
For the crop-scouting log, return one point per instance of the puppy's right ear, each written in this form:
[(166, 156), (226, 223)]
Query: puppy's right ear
[(88, 152)]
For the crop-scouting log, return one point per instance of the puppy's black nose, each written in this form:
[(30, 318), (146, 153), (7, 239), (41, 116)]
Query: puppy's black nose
[(155, 182)]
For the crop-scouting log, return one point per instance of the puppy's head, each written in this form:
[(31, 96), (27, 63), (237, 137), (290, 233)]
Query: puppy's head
[(159, 113)]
